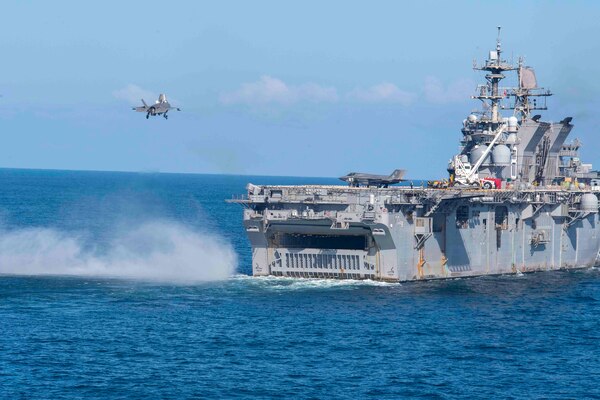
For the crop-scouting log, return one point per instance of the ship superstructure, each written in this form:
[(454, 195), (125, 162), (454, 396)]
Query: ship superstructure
[(518, 199)]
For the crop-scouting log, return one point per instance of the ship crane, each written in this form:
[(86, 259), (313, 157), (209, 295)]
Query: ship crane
[(465, 173)]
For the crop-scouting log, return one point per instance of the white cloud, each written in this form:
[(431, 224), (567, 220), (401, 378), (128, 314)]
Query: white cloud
[(268, 90), (382, 93), (457, 91), (133, 94)]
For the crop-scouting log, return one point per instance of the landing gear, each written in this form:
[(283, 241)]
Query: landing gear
[(166, 116), (147, 115)]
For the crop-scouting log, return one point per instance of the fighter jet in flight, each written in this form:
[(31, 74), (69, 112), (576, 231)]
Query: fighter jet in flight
[(356, 179), (160, 107)]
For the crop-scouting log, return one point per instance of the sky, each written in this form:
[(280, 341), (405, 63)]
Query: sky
[(309, 88)]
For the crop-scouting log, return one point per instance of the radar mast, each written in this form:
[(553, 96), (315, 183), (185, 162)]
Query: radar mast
[(495, 67), (528, 88)]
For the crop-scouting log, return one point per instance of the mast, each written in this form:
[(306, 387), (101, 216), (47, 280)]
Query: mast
[(528, 88), (495, 67)]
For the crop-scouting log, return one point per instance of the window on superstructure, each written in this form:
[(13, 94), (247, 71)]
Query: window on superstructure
[(462, 217), (501, 218)]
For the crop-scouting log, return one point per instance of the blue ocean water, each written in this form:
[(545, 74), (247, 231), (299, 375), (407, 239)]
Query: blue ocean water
[(127, 286)]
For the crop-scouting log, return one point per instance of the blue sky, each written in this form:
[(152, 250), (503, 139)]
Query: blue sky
[(274, 88)]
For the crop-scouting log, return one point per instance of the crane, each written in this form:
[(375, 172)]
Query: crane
[(464, 172)]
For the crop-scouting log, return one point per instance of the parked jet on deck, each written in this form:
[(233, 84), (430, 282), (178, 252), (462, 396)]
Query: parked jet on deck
[(355, 179)]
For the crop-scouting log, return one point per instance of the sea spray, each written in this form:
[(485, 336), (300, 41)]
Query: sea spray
[(156, 250)]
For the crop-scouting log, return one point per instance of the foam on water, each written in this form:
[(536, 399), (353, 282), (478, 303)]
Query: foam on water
[(156, 250), (289, 283)]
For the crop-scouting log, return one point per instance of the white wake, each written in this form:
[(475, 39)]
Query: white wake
[(156, 251)]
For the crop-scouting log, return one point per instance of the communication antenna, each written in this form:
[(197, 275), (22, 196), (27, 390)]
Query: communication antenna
[(498, 44), (491, 92)]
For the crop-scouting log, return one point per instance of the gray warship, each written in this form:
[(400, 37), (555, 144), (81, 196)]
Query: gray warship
[(517, 199)]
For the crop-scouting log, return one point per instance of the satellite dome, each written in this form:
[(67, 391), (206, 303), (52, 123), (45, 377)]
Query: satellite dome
[(476, 154), (589, 202), (501, 155)]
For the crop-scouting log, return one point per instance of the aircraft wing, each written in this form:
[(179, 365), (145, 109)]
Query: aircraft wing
[(170, 107), (140, 109)]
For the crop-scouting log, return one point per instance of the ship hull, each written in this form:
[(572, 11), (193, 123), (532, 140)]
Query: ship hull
[(465, 235)]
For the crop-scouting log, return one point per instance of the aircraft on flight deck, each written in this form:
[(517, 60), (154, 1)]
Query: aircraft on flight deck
[(356, 179)]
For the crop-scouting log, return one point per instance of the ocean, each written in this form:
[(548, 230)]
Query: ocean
[(137, 285)]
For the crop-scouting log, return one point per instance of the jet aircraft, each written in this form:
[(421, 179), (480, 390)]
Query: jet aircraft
[(356, 179), (160, 107)]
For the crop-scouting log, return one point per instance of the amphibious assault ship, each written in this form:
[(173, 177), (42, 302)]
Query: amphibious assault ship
[(517, 199)]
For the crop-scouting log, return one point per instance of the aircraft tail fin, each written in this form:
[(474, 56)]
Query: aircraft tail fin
[(144, 103), (398, 174)]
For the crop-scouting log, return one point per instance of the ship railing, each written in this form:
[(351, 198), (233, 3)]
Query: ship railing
[(396, 195), (315, 216), (300, 198), (249, 213), (369, 215), (238, 199), (568, 153)]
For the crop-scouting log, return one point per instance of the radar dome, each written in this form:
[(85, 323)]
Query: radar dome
[(476, 154), (589, 202), (472, 118), (501, 155)]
